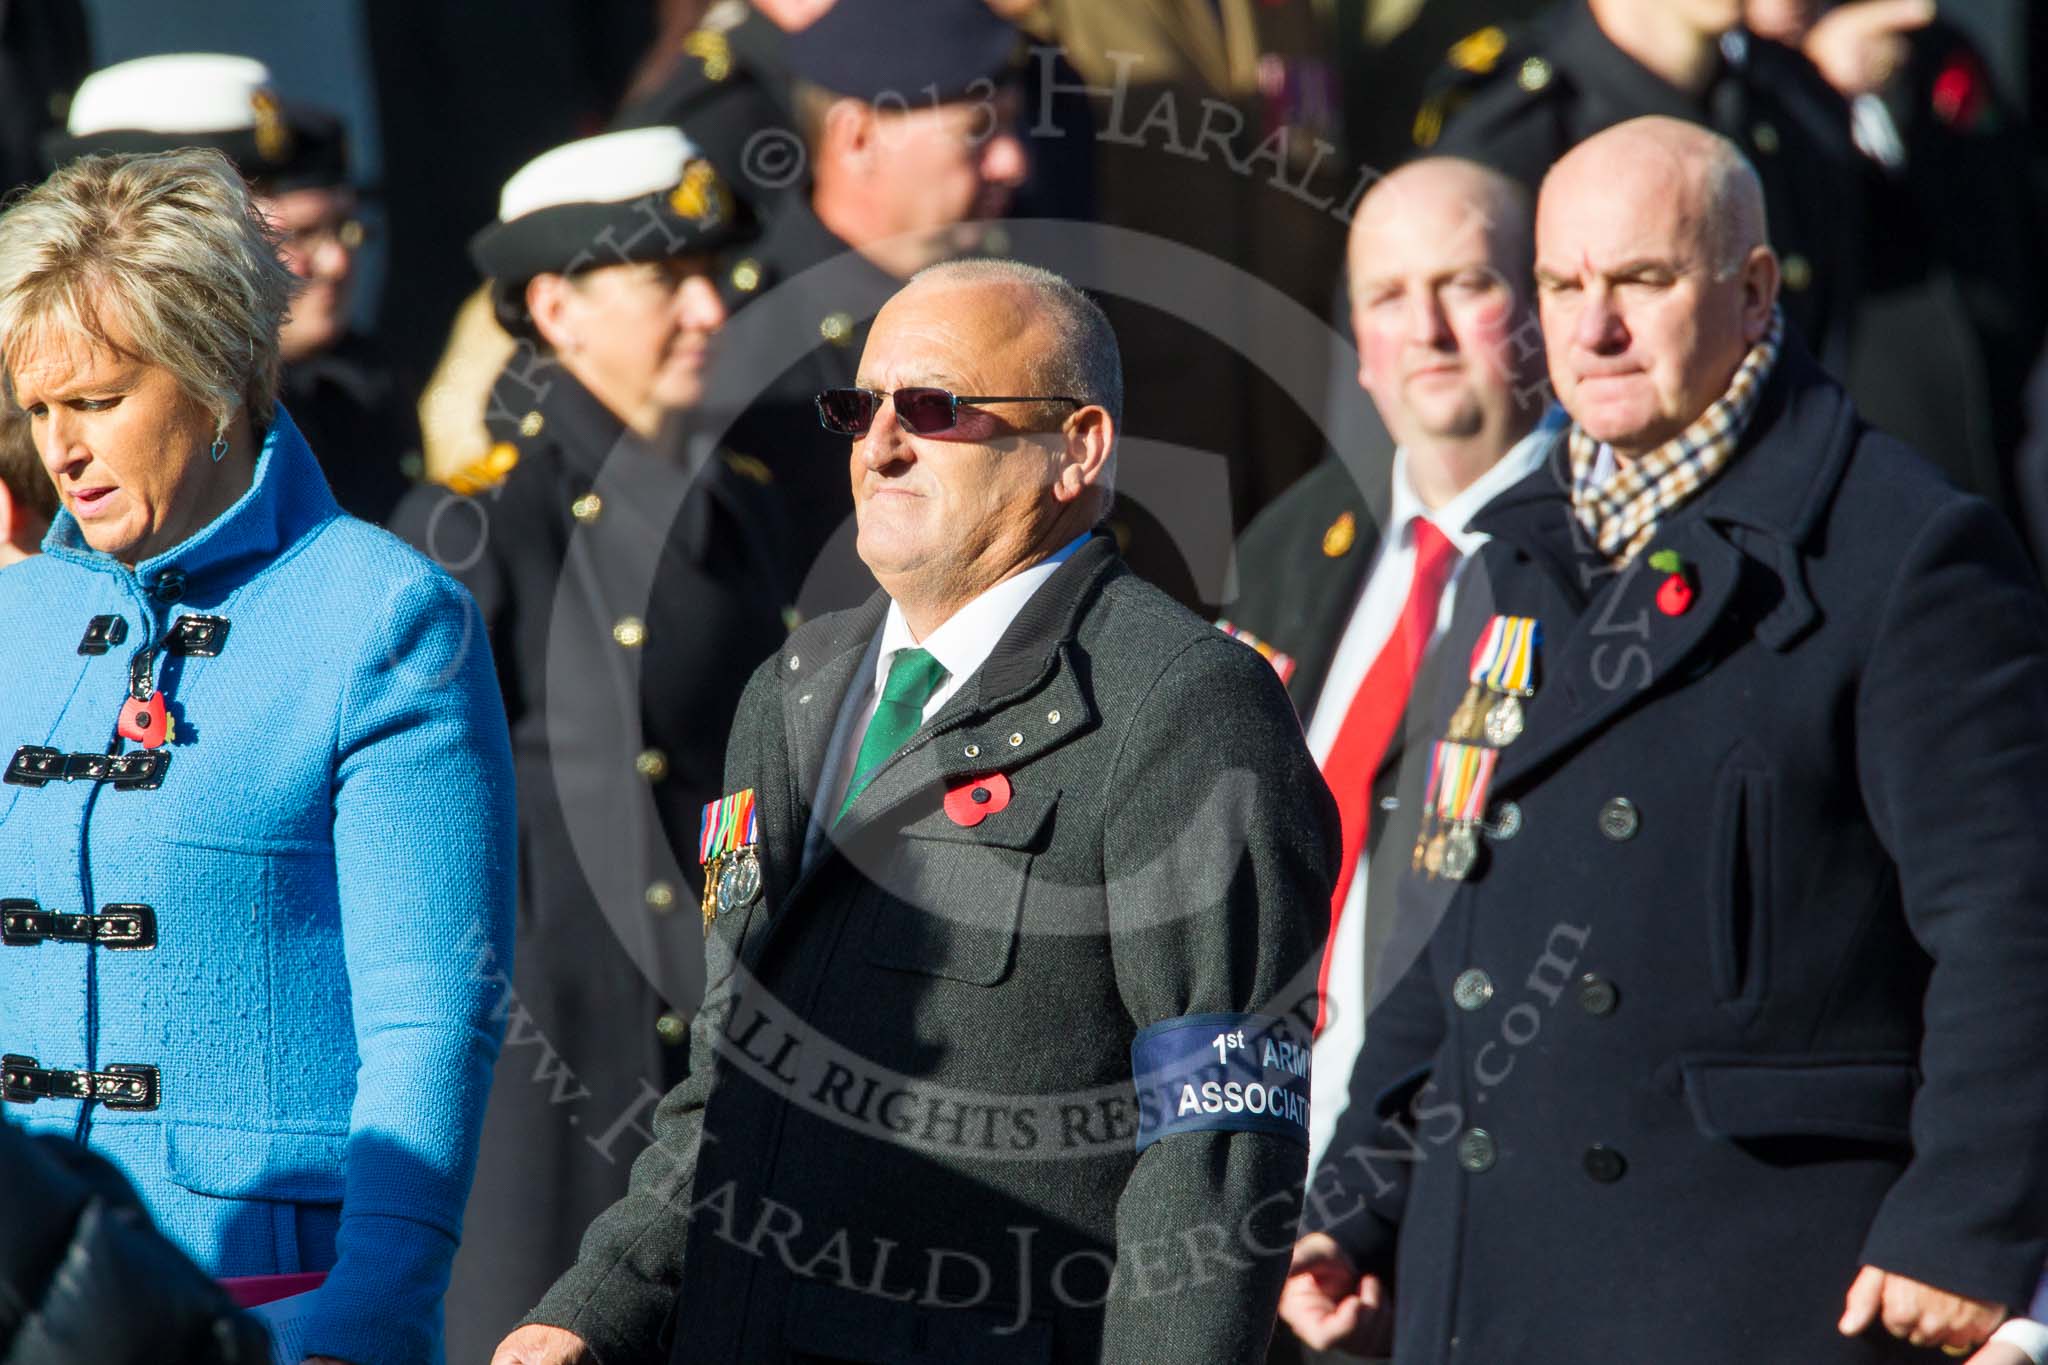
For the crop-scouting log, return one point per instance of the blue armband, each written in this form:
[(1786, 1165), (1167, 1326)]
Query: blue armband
[(1220, 1073)]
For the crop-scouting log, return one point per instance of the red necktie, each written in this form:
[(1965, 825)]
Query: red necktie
[(1375, 715)]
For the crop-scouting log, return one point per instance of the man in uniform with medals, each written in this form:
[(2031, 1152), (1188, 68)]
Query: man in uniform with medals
[(1015, 861), (1732, 1052)]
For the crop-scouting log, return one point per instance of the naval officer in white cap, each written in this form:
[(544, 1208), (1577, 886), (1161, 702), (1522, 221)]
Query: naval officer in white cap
[(627, 595), (340, 388)]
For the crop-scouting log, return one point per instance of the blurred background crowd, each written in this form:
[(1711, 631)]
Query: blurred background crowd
[(1902, 153)]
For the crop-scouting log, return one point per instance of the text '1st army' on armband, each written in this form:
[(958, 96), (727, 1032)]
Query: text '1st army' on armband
[(1220, 1073)]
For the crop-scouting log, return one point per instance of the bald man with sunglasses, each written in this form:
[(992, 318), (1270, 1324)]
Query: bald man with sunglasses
[(1015, 862)]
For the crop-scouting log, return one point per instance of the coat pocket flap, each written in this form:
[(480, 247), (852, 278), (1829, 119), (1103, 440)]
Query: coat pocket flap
[(1865, 1099), (842, 1324), (241, 1163)]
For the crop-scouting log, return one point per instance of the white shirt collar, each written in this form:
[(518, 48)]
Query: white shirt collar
[(967, 637), (1520, 461)]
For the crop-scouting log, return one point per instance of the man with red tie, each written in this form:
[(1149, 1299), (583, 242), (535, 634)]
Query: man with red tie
[(1450, 354)]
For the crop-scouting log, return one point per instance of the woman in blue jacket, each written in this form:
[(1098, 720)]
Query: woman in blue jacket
[(256, 823)]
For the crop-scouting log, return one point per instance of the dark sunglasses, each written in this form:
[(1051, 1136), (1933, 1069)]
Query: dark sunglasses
[(925, 411)]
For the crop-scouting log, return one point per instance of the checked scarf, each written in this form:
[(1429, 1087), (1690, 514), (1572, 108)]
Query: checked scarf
[(1621, 513)]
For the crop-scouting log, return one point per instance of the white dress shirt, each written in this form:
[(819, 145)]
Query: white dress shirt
[(961, 644), (1373, 619)]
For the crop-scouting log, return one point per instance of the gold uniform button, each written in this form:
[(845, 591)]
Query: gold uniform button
[(837, 328), (1798, 273), (587, 508), (1765, 138), (1341, 536), (671, 1028), (1534, 75), (630, 632), (531, 424), (661, 897), (651, 764), (746, 276)]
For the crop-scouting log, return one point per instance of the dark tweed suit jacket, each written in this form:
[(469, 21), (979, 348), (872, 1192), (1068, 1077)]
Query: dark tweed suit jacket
[(908, 1131)]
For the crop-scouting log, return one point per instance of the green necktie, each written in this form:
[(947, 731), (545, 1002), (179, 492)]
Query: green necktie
[(913, 676)]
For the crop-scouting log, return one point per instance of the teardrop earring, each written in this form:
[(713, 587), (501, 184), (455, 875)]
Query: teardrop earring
[(220, 448)]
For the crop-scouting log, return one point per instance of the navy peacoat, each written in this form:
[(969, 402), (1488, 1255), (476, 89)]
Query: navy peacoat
[(1745, 990)]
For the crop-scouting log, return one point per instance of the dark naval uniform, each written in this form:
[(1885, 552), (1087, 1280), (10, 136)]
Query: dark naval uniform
[(1747, 993), (360, 422), (626, 604), (1954, 307), (1518, 102), (730, 90), (917, 1062), (774, 359)]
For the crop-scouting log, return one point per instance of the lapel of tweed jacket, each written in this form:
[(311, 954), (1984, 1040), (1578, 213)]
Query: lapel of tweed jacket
[(819, 667), (984, 728)]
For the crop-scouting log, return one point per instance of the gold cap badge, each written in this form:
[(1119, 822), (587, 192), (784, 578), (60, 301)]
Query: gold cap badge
[(273, 134), (701, 197)]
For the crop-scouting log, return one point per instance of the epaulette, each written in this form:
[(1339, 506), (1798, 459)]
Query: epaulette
[(486, 473), (1472, 64), (748, 466)]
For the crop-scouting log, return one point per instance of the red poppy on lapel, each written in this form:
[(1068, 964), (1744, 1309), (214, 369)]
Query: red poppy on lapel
[(973, 801)]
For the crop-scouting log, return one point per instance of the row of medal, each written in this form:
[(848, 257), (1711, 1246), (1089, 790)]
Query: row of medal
[(728, 843), (1461, 764)]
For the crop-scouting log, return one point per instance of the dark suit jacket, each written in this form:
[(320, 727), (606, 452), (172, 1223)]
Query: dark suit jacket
[(956, 1007), (1291, 592), (1783, 1010)]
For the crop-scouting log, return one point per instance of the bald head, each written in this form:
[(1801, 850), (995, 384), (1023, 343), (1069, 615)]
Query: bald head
[(1654, 277), (1476, 206), (1439, 266), (1707, 178)]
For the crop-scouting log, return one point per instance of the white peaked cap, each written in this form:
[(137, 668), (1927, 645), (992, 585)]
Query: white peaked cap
[(610, 168), (178, 92)]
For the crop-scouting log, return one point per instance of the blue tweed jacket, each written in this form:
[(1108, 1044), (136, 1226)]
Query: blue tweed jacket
[(310, 990)]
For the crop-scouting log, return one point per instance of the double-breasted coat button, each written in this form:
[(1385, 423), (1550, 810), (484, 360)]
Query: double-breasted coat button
[(670, 1028), (587, 508), (651, 764), (1472, 989), (1534, 75), (837, 328), (661, 897), (1619, 819), (1604, 1164), (1597, 995), (630, 632), (1506, 822), (1476, 1151), (746, 276)]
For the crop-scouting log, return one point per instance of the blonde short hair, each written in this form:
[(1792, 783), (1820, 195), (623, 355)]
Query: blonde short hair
[(167, 249)]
